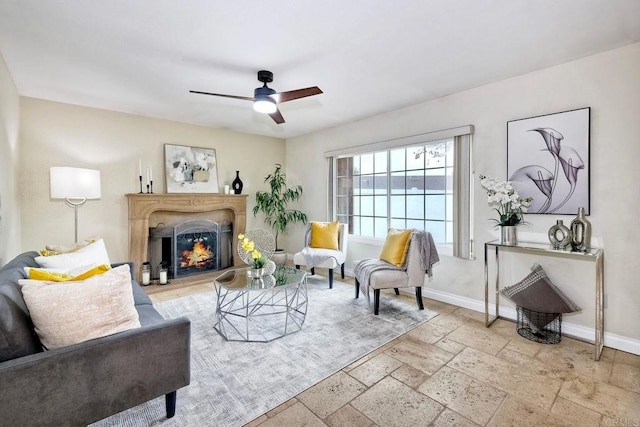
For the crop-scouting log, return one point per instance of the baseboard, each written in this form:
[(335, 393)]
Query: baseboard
[(584, 333)]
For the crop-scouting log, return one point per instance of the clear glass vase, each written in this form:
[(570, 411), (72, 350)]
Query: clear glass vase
[(257, 272)]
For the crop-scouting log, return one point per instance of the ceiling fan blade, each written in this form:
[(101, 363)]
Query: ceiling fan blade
[(277, 117), (245, 98), (298, 93)]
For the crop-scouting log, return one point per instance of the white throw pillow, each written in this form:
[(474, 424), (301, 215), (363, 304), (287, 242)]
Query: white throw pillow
[(95, 253), (66, 313)]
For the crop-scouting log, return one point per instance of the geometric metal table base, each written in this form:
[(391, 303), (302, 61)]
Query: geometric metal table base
[(250, 310)]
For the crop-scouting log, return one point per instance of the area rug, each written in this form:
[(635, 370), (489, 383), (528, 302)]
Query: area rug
[(234, 382)]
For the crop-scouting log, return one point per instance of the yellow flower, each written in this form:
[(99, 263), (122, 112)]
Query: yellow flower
[(250, 248)]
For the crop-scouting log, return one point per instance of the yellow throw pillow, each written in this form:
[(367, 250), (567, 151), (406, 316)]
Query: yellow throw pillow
[(66, 276), (396, 246), (325, 235)]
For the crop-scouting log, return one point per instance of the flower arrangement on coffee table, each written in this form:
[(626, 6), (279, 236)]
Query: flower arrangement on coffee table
[(249, 246)]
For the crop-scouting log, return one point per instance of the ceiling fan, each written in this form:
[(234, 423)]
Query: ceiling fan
[(265, 99)]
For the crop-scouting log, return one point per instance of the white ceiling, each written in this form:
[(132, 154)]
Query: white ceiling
[(369, 57)]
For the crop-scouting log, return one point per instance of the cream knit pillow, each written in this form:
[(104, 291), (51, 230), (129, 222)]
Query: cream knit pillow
[(65, 313)]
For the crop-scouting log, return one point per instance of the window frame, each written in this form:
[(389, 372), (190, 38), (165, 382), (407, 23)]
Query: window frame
[(462, 169)]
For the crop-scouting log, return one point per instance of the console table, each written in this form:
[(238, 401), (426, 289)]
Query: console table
[(594, 254)]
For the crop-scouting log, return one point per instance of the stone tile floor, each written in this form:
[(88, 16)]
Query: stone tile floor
[(452, 371)]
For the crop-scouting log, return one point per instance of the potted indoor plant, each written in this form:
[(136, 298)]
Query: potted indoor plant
[(509, 205), (273, 204)]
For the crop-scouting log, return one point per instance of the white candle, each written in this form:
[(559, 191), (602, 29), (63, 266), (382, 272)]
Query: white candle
[(140, 167), (226, 189), (146, 277), (147, 176), (150, 173), (163, 277)]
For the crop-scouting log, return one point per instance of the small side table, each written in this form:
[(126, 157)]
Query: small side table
[(594, 254)]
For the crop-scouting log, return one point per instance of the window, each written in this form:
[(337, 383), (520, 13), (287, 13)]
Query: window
[(404, 187), (422, 185)]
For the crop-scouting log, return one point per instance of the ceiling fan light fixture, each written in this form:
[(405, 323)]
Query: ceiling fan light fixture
[(265, 104)]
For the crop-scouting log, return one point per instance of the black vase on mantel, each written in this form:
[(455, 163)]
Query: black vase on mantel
[(237, 184), (580, 232)]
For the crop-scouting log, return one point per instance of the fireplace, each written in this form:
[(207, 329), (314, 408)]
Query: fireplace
[(147, 211), (191, 247)]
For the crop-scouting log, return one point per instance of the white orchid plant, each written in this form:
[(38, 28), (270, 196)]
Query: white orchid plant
[(510, 206)]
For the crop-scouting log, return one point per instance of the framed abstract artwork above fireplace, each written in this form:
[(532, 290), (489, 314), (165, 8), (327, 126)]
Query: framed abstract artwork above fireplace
[(190, 169), (548, 159)]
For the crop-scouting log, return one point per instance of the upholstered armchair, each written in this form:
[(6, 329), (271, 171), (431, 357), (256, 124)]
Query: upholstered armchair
[(328, 250), (420, 256)]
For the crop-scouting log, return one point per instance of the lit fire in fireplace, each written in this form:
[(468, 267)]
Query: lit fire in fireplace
[(201, 256)]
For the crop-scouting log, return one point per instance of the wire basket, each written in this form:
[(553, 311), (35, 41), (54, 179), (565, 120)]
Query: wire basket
[(545, 328)]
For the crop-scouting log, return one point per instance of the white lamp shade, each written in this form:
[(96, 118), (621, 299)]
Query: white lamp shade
[(74, 183)]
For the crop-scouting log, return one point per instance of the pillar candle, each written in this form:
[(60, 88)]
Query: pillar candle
[(226, 189), (146, 277), (163, 277)]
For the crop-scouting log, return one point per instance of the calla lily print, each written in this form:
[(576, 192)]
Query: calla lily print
[(548, 160)]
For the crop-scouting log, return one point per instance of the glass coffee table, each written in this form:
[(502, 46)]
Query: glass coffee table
[(260, 309)]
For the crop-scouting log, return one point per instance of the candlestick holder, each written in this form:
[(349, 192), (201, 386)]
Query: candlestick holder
[(147, 188), (151, 186), (140, 177)]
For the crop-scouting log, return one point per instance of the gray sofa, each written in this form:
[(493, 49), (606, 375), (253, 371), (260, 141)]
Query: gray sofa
[(89, 381)]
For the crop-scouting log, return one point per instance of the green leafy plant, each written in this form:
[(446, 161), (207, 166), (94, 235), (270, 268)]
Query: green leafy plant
[(273, 203)]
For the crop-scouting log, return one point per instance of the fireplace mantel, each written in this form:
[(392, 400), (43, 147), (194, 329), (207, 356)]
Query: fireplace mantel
[(143, 206)]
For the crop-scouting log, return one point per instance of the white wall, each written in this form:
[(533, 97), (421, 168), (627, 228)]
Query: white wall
[(609, 83), (9, 200), (55, 134)]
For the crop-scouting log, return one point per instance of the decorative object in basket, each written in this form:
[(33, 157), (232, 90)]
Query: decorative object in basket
[(543, 304)]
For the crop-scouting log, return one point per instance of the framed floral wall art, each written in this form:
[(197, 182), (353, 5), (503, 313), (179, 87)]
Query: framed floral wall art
[(548, 160), (190, 169)]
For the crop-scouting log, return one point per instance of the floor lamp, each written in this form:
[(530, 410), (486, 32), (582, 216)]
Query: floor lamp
[(75, 185)]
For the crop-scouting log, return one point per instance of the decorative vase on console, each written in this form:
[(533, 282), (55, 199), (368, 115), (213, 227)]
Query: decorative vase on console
[(237, 184), (508, 235), (559, 235), (580, 232)]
